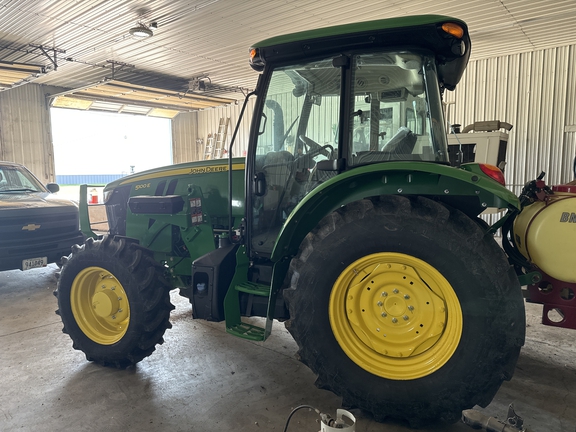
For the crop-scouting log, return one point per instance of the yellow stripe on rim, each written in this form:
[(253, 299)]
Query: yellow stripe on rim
[(395, 316), (100, 305)]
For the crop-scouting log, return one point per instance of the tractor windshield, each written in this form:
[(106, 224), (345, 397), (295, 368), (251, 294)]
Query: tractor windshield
[(392, 108)]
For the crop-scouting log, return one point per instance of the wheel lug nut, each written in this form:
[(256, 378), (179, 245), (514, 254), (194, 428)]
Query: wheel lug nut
[(406, 296), (113, 316), (120, 310), (411, 308), (394, 320), (384, 314), (379, 303), (384, 293), (405, 317), (395, 291)]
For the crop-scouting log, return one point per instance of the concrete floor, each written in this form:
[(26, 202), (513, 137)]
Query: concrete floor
[(202, 379)]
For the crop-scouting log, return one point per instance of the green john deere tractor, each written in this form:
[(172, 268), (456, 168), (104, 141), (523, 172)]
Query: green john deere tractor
[(345, 220)]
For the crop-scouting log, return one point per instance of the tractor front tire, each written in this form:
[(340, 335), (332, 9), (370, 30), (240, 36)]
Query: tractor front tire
[(406, 309), (114, 301)]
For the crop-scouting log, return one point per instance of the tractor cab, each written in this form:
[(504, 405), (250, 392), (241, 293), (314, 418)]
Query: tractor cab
[(337, 110)]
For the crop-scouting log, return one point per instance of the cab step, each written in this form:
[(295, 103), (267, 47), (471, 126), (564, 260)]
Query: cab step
[(234, 324), (254, 288), (247, 331), (242, 329)]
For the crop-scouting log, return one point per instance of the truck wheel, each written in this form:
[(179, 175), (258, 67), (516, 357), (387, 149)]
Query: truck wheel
[(405, 309), (113, 301)]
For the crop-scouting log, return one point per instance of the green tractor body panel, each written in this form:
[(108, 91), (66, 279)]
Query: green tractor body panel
[(187, 201), (469, 190), (84, 216)]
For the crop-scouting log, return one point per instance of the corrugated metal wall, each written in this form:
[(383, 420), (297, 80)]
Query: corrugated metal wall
[(189, 128), (25, 129), (535, 92)]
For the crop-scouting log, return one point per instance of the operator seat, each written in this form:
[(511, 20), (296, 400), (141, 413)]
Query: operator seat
[(399, 147)]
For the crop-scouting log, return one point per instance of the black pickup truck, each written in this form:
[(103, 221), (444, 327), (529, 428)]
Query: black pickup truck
[(36, 226)]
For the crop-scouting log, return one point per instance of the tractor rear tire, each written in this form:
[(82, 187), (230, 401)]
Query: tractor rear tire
[(406, 309), (114, 301)]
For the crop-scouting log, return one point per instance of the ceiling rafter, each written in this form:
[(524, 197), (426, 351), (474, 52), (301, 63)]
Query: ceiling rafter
[(55, 52)]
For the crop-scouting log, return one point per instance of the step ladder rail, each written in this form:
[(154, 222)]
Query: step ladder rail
[(209, 148), (221, 137)]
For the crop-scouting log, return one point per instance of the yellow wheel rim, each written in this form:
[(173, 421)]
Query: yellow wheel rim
[(395, 316), (100, 305)]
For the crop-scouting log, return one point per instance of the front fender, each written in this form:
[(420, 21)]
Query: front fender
[(387, 178)]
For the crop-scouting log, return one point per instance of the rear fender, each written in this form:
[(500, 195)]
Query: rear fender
[(443, 182)]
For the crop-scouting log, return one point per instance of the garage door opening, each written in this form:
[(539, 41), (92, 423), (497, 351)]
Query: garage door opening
[(98, 147)]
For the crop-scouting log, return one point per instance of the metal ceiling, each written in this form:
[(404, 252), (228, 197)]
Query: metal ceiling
[(81, 43)]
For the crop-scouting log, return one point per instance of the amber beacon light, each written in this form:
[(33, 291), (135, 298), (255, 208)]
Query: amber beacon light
[(454, 29)]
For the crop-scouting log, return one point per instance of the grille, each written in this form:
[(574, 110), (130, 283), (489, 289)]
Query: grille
[(41, 226)]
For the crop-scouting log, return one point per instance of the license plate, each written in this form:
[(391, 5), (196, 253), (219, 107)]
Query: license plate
[(31, 263)]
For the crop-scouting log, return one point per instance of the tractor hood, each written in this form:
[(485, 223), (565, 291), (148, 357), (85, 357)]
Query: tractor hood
[(183, 169)]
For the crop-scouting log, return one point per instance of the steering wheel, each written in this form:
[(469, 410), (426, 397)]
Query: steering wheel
[(315, 149)]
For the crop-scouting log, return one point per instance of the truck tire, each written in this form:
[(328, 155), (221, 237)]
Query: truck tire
[(406, 309), (113, 301)]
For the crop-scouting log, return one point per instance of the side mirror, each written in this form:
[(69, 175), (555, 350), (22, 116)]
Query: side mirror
[(53, 187)]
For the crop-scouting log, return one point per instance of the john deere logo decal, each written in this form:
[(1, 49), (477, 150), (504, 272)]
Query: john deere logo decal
[(30, 227)]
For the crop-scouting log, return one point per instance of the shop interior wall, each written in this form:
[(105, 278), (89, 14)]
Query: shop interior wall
[(536, 93), (25, 132), (190, 131)]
